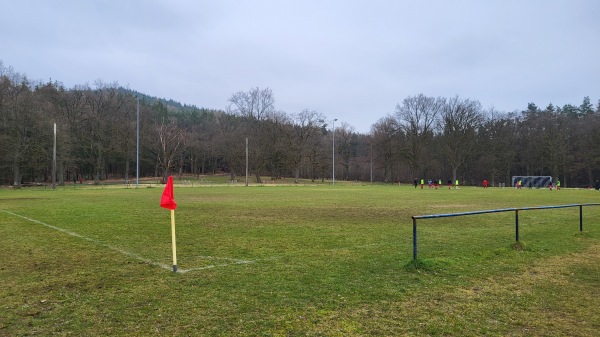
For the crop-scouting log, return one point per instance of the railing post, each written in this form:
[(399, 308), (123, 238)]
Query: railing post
[(414, 239), (517, 224), (581, 218)]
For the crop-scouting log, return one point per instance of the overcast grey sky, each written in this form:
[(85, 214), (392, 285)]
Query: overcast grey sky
[(351, 60)]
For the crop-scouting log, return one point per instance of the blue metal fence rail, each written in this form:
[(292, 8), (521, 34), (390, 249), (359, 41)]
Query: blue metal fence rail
[(516, 210)]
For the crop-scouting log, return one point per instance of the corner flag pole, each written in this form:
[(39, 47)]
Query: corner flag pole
[(167, 201), (173, 240)]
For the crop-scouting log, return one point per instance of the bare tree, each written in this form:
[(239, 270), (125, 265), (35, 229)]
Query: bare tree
[(417, 117), (304, 129), (102, 106), (585, 148), (228, 141), (461, 120), (254, 104), (498, 146), (346, 147), (387, 140), (257, 107), (171, 140), (23, 131)]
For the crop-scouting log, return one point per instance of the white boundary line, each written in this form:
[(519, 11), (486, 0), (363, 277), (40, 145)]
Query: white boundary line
[(230, 261), (130, 254), (233, 261), (213, 266), (116, 249), (208, 257)]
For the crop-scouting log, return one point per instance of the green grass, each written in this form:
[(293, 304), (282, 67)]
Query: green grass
[(297, 261)]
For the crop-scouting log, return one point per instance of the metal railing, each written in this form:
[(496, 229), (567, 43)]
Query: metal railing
[(516, 210)]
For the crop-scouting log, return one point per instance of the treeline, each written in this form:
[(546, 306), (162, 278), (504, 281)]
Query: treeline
[(456, 138), (426, 137)]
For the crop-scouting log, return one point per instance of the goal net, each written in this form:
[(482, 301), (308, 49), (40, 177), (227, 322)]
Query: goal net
[(532, 181)]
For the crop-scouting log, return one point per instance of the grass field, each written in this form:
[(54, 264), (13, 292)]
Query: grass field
[(297, 261)]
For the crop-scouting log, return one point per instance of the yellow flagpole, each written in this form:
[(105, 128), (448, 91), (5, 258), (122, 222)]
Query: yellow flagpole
[(173, 240)]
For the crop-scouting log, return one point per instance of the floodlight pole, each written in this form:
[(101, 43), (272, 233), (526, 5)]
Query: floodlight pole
[(54, 161), (137, 146), (371, 163), (333, 153)]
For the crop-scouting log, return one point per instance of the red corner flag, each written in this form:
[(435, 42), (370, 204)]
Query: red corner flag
[(167, 200)]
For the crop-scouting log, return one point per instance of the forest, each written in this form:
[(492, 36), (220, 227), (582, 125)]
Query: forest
[(105, 132)]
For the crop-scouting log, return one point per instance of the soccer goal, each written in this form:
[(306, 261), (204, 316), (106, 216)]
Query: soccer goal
[(532, 181)]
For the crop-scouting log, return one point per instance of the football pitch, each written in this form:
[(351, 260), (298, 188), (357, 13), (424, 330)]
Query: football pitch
[(297, 261)]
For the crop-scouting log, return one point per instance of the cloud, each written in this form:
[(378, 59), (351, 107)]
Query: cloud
[(352, 60)]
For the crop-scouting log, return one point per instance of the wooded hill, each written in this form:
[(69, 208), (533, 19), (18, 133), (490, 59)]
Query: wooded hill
[(426, 137)]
